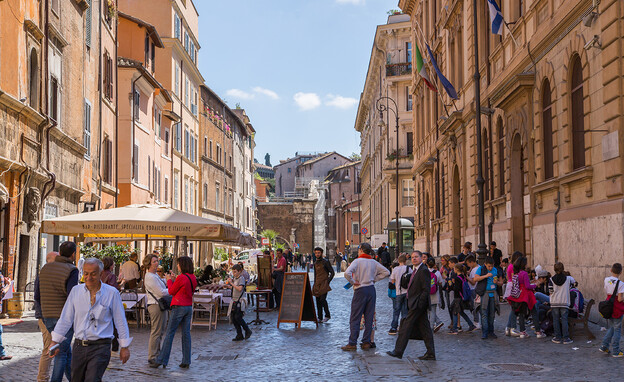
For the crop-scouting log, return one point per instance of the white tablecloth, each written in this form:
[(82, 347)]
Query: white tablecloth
[(131, 303)]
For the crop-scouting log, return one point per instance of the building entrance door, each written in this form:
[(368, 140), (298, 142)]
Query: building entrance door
[(517, 196)]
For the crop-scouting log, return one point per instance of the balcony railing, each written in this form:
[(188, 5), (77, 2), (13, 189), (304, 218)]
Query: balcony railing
[(398, 69)]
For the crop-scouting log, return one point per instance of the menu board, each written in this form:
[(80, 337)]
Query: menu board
[(297, 303), (265, 271)]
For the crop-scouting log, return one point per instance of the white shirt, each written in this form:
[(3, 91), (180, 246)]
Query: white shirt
[(609, 285), (156, 286), (129, 271), (473, 273), (395, 278), (93, 322), (365, 272)]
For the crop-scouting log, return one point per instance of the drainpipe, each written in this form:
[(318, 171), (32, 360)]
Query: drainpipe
[(116, 118), (556, 219), (99, 148)]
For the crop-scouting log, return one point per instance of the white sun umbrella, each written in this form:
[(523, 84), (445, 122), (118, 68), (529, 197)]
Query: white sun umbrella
[(140, 220)]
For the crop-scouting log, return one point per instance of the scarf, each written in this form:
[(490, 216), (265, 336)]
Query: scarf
[(365, 256)]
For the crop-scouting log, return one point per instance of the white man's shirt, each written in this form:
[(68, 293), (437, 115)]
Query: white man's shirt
[(93, 322), (365, 272)]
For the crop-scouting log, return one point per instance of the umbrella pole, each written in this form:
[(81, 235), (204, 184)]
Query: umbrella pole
[(146, 244)]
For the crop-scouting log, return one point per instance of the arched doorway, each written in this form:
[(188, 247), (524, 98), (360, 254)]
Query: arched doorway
[(456, 212), (517, 195)]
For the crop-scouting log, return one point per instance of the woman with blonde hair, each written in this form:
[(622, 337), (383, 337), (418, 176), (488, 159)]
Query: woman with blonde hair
[(156, 289)]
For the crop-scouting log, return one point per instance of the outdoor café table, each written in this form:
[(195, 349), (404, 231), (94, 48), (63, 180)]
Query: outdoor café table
[(257, 293), (140, 302)]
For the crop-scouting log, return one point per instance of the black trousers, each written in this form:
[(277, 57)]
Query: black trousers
[(89, 363), (416, 320), (238, 321), (278, 298), (321, 304)]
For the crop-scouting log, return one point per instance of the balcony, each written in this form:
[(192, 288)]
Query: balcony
[(401, 69)]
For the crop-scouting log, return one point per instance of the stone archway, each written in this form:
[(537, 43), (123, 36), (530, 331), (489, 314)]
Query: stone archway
[(517, 195)]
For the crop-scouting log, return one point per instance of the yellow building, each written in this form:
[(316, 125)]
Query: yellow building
[(551, 132)]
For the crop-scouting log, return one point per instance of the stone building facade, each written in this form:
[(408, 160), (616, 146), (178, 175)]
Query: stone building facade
[(343, 208), (285, 173), (552, 126), (389, 75), (292, 220)]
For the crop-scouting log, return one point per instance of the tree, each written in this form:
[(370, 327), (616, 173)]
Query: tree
[(355, 157), (269, 234)]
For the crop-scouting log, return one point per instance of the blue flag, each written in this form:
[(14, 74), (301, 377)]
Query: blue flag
[(450, 90), (496, 17)]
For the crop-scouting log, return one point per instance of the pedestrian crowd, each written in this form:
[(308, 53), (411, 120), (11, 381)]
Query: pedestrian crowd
[(85, 304)]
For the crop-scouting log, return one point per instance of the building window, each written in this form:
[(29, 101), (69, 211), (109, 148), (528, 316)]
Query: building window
[(289, 170), (178, 137), (166, 183), (186, 92), (177, 79), (408, 52), (408, 192), (501, 157), (108, 77), (547, 130), (176, 190), (56, 6), (86, 136), (33, 79), (153, 56), (107, 161), (177, 26), (217, 197), (210, 150), (166, 139), (205, 145), (186, 194), (205, 196), (157, 121), (408, 97), (88, 16), (410, 143), (578, 115), (137, 104), (486, 165), (192, 197), (442, 190), (135, 163), (54, 98), (186, 142), (149, 172), (147, 50), (355, 228), (218, 154)]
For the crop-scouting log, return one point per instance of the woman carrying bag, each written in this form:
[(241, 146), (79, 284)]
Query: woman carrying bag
[(237, 306), (156, 290)]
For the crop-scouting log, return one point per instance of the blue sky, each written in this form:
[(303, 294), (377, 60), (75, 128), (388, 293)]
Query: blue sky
[(296, 66)]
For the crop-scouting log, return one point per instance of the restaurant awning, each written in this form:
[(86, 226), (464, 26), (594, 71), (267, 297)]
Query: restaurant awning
[(138, 220)]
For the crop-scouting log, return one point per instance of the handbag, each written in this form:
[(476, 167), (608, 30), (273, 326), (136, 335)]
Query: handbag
[(606, 307), (164, 303)]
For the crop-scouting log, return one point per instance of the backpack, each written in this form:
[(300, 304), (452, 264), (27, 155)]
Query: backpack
[(577, 302), (405, 279), (481, 285), (606, 307), (466, 293), (515, 287), (434, 283)]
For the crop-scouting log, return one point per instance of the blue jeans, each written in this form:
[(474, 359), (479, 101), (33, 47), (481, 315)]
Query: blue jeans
[(338, 264), (62, 360), (487, 317), (465, 317), (541, 299), (560, 323), (399, 308), (613, 335), (363, 303), (512, 320), (2, 352), (179, 316)]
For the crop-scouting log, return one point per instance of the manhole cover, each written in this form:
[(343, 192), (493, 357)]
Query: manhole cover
[(522, 367), (217, 357)]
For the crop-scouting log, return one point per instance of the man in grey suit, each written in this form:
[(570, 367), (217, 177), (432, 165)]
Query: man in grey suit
[(416, 324)]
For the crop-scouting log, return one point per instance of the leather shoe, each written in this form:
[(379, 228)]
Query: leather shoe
[(365, 345), (184, 365), (349, 348), (394, 354), (427, 357)]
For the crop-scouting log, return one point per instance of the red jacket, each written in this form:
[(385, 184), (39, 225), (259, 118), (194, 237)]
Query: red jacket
[(182, 290)]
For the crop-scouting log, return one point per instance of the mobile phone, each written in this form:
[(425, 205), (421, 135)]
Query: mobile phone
[(53, 348)]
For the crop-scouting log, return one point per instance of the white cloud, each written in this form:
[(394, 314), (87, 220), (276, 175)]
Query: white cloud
[(340, 102), (355, 2), (269, 93), (307, 101), (237, 93)]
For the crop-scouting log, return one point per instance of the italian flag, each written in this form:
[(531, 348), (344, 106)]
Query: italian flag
[(422, 71)]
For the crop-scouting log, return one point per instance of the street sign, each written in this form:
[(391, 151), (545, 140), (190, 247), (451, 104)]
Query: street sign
[(364, 231), (265, 241), (297, 245)]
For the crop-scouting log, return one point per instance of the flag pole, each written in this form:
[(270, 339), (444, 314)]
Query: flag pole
[(426, 62), (511, 34)]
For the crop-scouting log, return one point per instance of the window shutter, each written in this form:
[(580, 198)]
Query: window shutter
[(88, 16), (110, 78), (109, 160), (135, 163), (87, 128)]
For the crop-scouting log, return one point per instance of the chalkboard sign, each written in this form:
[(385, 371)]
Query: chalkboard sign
[(297, 304), (265, 271)]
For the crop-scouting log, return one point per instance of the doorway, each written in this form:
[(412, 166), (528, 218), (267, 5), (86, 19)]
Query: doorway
[(456, 212), (517, 195), (24, 254)]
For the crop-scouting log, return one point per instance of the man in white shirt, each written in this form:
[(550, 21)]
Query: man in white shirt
[(363, 273), (399, 305), (130, 272), (91, 308), (471, 263)]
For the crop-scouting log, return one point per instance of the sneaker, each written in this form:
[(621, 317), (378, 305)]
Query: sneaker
[(373, 345), (618, 355), (557, 340), (567, 341), (524, 335), (507, 332), (238, 338), (326, 319), (471, 329), (604, 349), (492, 336), (453, 332), (515, 333), (477, 325), (392, 332), (247, 334), (540, 335), (438, 327)]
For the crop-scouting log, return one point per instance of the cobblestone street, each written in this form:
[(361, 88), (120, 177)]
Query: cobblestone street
[(311, 354)]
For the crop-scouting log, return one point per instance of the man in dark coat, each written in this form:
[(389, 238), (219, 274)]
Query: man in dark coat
[(416, 324), (384, 256)]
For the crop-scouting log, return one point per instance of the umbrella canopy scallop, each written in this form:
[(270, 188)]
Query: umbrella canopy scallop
[(141, 219)]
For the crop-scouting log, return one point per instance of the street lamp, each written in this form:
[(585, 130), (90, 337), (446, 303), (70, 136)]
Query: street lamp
[(383, 107), (482, 250)]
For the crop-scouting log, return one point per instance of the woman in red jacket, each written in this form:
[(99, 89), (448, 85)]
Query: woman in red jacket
[(522, 298), (181, 288)]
